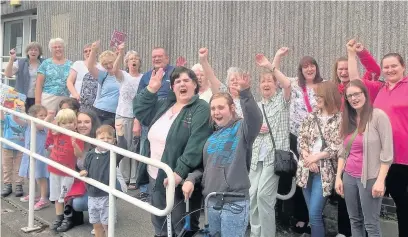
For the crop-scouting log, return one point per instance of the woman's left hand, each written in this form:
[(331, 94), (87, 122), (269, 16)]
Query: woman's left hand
[(177, 179), (378, 189), (245, 82)]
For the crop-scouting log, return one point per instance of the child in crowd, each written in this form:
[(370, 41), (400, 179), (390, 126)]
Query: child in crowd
[(41, 172), (64, 151), (70, 103), (11, 158), (97, 164)]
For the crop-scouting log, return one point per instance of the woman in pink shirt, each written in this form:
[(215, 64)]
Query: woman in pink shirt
[(365, 156), (392, 98)]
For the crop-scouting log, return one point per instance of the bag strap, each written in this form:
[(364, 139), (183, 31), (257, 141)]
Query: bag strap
[(306, 99), (350, 142), (324, 145), (269, 126)]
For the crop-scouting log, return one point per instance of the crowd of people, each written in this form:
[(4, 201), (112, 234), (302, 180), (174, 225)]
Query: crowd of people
[(349, 133)]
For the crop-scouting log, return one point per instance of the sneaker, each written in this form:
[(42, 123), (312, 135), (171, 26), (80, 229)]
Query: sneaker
[(93, 232), (143, 197), (19, 190), (7, 190), (26, 199), (41, 204)]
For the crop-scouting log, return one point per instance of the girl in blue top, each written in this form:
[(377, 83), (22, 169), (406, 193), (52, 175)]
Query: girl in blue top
[(41, 172), (11, 157)]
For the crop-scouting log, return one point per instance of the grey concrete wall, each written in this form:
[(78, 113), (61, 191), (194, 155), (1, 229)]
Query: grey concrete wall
[(233, 31)]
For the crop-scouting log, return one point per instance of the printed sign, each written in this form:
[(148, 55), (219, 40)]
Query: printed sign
[(117, 38), (11, 99)]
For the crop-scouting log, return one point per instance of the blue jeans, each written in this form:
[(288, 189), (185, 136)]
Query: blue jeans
[(229, 221), (143, 188), (315, 204), (80, 203)]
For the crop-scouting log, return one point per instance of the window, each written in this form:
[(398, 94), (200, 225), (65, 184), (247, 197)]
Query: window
[(33, 30), (13, 37)]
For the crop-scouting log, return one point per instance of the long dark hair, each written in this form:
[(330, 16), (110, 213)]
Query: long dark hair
[(95, 124), (349, 117), (306, 60)]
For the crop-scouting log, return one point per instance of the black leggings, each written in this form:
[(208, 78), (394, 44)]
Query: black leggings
[(105, 117), (397, 185)]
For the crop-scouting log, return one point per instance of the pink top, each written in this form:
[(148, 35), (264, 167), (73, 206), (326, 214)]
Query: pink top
[(157, 137), (394, 103), (354, 162)]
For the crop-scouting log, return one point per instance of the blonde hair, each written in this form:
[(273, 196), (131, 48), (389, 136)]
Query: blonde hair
[(105, 129), (66, 116), (106, 54), (32, 45), (55, 41)]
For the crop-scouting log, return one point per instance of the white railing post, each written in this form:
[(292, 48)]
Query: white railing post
[(31, 190), (112, 203)]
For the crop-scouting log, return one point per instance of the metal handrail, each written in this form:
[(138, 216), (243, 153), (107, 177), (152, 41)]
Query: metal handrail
[(111, 189)]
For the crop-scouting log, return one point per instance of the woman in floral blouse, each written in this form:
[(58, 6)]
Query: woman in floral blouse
[(316, 172), (264, 182)]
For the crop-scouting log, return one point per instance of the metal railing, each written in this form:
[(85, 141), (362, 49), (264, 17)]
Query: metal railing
[(111, 189)]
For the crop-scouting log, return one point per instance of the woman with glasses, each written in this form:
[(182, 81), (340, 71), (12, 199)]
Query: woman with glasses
[(365, 158), (319, 141)]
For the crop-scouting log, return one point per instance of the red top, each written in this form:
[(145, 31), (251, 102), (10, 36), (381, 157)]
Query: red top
[(394, 103), (62, 151)]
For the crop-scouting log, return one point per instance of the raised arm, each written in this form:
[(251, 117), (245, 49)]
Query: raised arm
[(352, 60), (208, 70), (91, 64), (8, 71), (252, 114), (373, 70), (146, 102), (118, 62), (284, 82)]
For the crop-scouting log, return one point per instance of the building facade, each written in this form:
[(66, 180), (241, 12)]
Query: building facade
[(233, 31)]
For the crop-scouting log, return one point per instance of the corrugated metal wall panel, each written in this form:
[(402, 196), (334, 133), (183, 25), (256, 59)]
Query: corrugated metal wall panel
[(233, 31)]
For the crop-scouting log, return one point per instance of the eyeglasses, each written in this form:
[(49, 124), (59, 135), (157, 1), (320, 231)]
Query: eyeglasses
[(356, 94)]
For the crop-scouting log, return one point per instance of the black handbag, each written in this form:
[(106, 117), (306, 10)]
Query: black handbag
[(285, 164)]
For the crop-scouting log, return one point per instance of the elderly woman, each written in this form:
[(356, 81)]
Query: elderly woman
[(129, 83), (25, 71), (106, 103), (51, 86), (234, 74), (275, 105), (205, 89), (178, 129)]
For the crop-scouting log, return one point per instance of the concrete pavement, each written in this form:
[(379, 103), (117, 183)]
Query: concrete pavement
[(132, 221)]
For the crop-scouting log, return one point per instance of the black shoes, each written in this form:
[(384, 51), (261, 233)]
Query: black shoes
[(7, 190)]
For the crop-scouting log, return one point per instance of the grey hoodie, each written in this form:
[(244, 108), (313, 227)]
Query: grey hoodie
[(227, 152)]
